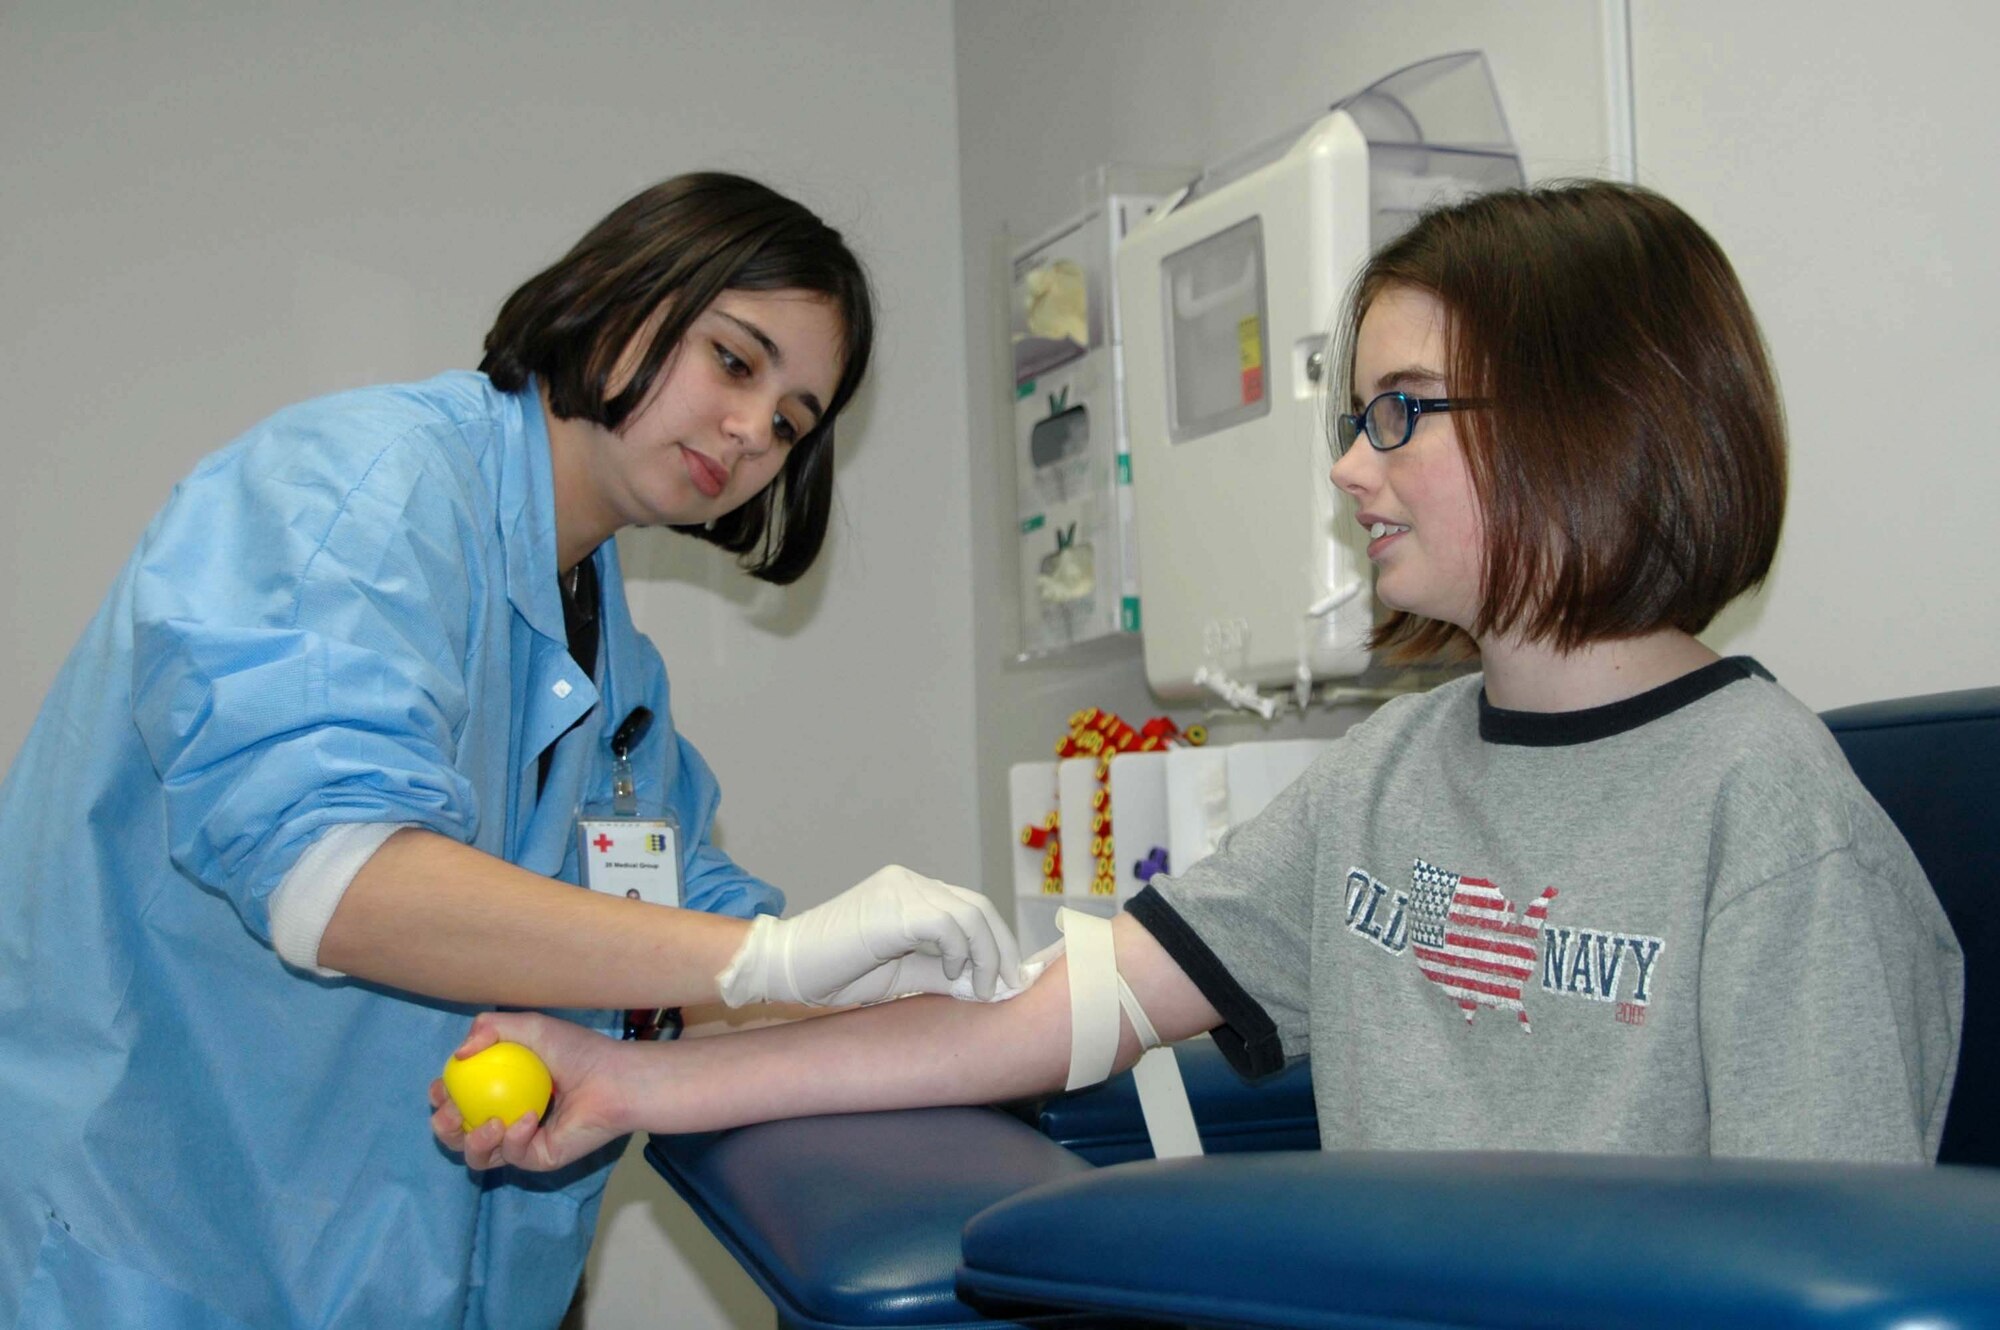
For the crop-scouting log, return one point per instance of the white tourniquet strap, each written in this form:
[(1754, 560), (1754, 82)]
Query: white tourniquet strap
[(1097, 992), (1093, 997), (1163, 1102)]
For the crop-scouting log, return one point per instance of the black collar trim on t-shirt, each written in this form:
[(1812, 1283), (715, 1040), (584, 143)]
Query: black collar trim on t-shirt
[(1556, 729)]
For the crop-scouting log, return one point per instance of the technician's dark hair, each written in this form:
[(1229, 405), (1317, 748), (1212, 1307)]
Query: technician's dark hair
[(671, 251), (1630, 463)]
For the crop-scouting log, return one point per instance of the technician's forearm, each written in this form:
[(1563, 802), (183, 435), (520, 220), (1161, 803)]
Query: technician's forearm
[(428, 915)]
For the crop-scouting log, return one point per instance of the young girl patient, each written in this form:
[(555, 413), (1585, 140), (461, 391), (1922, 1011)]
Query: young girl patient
[(1613, 893)]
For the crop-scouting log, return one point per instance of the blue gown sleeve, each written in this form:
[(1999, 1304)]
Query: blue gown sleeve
[(303, 619), (714, 882)]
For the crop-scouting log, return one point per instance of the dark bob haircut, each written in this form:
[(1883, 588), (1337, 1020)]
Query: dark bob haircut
[(1630, 459), (671, 251)]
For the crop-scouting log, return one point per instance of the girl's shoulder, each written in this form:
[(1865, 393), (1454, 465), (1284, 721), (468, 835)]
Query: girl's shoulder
[(1767, 734), (348, 476), (446, 422), (1785, 793), (432, 451)]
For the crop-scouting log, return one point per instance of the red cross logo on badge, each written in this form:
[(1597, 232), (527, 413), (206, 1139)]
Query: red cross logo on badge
[(603, 843)]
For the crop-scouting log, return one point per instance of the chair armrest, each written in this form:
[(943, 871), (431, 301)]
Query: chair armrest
[(854, 1220), (1387, 1239), (1103, 1124)]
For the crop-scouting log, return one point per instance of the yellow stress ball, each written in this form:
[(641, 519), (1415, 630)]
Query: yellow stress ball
[(502, 1081)]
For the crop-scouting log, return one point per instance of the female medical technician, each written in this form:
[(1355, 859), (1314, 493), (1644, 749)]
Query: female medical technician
[(307, 795)]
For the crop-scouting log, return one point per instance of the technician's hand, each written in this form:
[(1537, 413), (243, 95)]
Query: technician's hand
[(894, 933), (589, 1107)]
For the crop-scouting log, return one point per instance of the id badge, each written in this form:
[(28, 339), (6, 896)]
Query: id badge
[(625, 847), (638, 857)]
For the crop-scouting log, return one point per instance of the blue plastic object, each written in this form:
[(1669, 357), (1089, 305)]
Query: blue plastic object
[(1386, 1239), (853, 1221)]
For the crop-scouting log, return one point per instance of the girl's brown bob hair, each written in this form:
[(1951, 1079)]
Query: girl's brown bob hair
[(1629, 460), (672, 250)]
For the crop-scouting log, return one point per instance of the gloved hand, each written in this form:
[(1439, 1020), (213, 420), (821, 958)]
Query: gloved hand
[(894, 933)]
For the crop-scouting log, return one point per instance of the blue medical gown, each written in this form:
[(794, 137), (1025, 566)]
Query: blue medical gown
[(348, 615)]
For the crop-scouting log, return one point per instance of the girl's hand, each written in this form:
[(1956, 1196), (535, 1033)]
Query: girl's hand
[(589, 1108)]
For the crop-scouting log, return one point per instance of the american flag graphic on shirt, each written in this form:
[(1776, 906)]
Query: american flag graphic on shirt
[(1468, 942)]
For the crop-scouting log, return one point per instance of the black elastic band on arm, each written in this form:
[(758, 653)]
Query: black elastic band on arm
[(1248, 1037)]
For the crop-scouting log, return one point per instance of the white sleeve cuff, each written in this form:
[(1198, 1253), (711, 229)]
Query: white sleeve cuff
[(305, 900)]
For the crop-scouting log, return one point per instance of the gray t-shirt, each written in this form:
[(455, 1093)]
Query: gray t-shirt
[(1673, 925)]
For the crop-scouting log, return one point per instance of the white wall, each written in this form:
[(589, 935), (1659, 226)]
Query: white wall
[(210, 210), (1841, 158), (1843, 155)]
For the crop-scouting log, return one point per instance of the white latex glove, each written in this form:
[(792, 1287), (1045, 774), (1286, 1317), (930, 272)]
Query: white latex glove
[(894, 933)]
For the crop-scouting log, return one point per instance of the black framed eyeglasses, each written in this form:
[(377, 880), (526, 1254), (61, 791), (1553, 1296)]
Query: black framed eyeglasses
[(1390, 419)]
